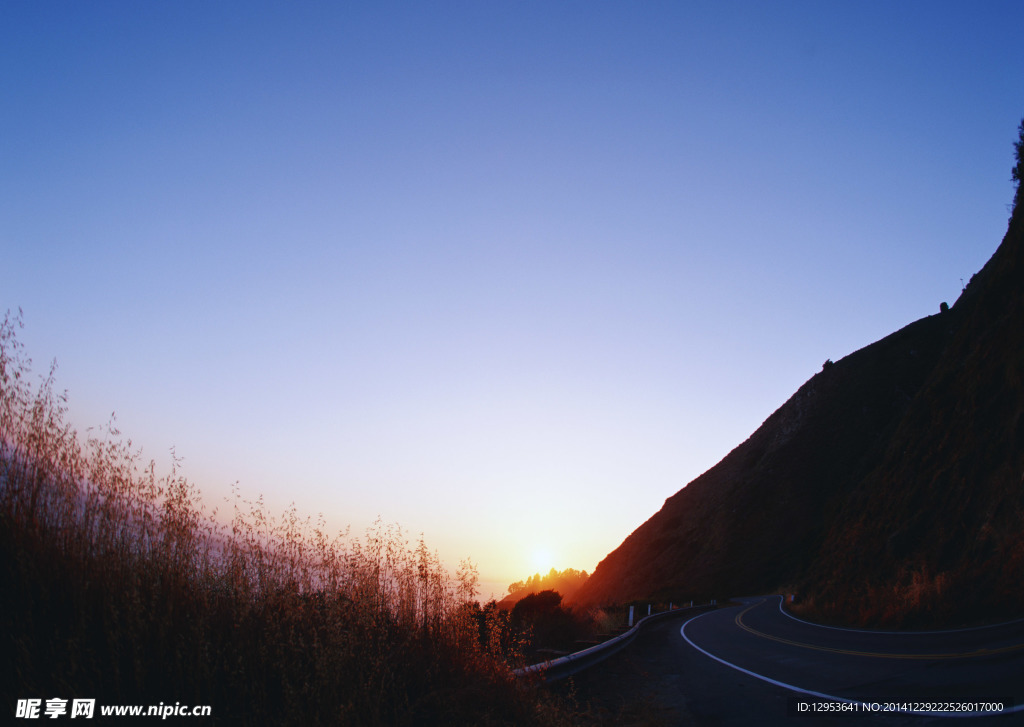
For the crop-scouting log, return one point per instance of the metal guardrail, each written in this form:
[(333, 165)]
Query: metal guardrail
[(570, 664)]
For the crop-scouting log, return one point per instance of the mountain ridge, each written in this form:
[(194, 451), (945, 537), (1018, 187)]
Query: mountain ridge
[(820, 498)]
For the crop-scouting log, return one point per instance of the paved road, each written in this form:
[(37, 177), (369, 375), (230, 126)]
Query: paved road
[(752, 663)]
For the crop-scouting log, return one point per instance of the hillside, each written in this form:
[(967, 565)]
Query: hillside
[(887, 490), (938, 519)]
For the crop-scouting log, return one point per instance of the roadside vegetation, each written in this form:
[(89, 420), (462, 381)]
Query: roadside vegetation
[(116, 584)]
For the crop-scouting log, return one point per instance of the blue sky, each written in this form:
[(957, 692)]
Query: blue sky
[(507, 274)]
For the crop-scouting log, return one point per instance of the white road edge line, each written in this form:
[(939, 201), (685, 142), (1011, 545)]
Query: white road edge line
[(832, 698)]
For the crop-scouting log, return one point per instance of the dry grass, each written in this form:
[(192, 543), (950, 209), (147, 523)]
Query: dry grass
[(118, 585), (914, 598)]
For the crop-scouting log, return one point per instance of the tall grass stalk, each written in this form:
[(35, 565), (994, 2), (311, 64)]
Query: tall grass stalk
[(118, 585)]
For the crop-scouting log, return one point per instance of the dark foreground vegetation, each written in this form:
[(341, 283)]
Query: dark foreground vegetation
[(117, 585)]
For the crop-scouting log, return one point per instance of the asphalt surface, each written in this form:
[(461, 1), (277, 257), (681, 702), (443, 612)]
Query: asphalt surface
[(753, 664)]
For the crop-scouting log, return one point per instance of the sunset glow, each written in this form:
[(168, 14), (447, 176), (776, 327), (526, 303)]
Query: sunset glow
[(508, 275)]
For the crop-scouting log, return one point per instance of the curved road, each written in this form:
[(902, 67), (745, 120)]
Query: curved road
[(753, 663)]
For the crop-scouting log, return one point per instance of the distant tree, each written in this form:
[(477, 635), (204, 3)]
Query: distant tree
[(565, 582), (943, 307), (1018, 170)]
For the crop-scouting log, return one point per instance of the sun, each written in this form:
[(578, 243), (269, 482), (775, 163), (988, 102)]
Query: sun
[(542, 560)]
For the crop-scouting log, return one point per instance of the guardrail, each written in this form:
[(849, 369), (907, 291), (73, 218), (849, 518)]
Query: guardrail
[(570, 664)]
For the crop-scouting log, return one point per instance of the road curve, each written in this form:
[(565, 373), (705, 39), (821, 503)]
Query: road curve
[(964, 673), (752, 663)]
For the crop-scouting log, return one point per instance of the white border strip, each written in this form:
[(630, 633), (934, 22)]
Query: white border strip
[(832, 698)]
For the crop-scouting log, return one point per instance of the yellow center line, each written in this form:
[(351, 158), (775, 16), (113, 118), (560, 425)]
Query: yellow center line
[(873, 654)]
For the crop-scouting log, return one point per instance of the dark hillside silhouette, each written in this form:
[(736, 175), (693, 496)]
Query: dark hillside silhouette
[(939, 518), (888, 490)]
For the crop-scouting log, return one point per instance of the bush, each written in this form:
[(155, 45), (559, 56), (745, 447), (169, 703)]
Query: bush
[(546, 624)]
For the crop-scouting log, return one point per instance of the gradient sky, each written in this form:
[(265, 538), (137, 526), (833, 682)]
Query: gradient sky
[(506, 274)]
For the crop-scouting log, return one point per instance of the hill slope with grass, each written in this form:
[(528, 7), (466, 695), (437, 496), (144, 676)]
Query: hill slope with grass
[(886, 491), (116, 585)]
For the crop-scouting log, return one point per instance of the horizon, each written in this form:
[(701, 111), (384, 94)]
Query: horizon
[(508, 277)]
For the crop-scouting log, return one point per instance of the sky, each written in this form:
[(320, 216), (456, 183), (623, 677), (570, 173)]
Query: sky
[(505, 274)]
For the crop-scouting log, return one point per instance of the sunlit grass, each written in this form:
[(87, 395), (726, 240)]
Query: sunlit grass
[(118, 584)]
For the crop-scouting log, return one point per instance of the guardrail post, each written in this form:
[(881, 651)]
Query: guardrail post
[(630, 616)]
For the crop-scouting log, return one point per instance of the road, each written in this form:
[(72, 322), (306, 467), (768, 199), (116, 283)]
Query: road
[(752, 663)]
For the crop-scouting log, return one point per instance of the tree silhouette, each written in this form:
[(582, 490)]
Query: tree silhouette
[(547, 623), (1017, 173), (565, 582)]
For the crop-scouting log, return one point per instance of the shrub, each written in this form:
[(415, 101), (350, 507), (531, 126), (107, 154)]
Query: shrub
[(546, 624)]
